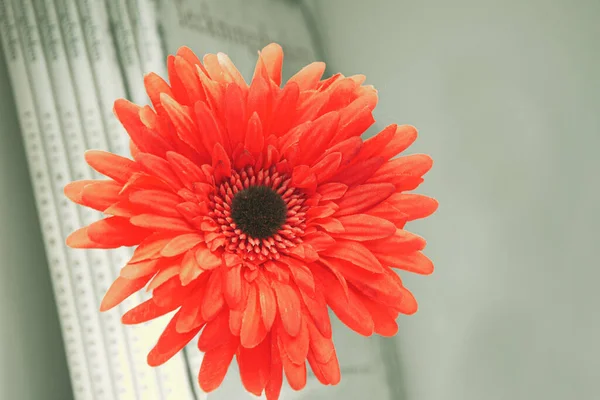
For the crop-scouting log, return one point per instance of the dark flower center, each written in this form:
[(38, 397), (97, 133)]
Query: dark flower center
[(258, 211)]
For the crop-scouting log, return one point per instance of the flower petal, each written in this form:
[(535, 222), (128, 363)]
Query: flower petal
[(180, 244), (116, 232), (255, 366), (145, 312), (213, 300), (354, 253), (160, 223), (215, 333), (216, 362), (415, 206), (289, 307), (116, 167), (364, 197), (121, 289), (170, 343), (363, 227), (253, 329)]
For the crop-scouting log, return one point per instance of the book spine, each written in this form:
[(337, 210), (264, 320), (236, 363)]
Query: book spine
[(62, 132), (108, 78), (149, 44), (127, 50)]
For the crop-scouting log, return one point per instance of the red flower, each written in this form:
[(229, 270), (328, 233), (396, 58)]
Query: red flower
[(254, 208)]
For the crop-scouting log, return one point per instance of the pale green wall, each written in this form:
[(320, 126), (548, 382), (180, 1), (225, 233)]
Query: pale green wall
[(32, 358), (507, 98)]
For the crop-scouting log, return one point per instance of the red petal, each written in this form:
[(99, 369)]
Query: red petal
[(327, 373), (404, 136), (255, 366), (189, 80), (73, 190), (404, 172), (151, 247), (349, 309), (160, 168), (254, 139), (289, 307), (301, 273), (155, 85), (272, 55), (273, 387), (116, 167), (116, 232), (355, 253), (321, 346), (415, 262), (408, 305), (402, 242), (207, 259), (161, 202), (180, 244), (415, 206), (268, 303), (363, 227), (232, 286), (235, 114), (170, 343), (145, 312), (381, 287), (179, 92), (221, 163), (207, 124), (80, 240), (376, 145), (159, 223), (215, 364), (190, 316), (308, 77), (190, 269), (187, 171), (315, 141), (253, 330), (137, 270), (383, 322), (317, 307), (235, 321), (360, 172), (327, 167), (364, 197), (121, 289), (295, 374), (332, 191), (296, 348), (215, 333), (213, 300), (181, 119), (285, 109), (168, 272)]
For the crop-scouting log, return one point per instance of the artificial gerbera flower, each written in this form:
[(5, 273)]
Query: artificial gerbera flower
[(255, 208)]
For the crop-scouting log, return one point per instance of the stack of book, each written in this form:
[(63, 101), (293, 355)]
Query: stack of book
[(68, 60)]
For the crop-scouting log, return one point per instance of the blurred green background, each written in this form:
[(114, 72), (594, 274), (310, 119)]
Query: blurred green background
[(506, 95)]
